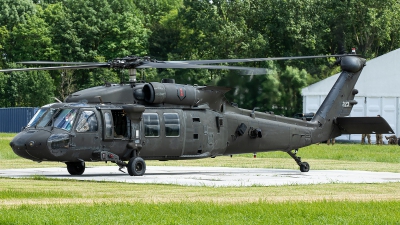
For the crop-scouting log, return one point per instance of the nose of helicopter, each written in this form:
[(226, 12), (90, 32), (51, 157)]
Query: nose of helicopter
[(31, 144)]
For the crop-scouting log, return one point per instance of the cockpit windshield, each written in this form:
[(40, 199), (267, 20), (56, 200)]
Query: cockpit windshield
[(36, 117), (64, 119), (46, 121)]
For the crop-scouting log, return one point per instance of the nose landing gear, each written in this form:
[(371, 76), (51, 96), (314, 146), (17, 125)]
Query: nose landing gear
[(75, 168)]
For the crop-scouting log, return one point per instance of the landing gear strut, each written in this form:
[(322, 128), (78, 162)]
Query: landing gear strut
[(304, 166), (75, 168), (136, 165)]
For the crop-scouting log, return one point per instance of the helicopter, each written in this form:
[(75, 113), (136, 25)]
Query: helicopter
[(135, 121)]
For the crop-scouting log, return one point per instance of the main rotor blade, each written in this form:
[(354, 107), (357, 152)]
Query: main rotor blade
[(91, 66), (132, 62), (244, 70), (56, 63), (199, 62)]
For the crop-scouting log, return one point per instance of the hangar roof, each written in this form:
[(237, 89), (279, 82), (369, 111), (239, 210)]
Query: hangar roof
[(380, 78)]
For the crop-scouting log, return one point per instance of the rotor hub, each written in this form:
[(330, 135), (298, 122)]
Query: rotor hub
[(129, 62)]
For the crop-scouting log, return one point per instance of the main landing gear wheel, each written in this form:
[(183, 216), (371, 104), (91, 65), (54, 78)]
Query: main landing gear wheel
[(136, 166), (304, 167), (76, 168)]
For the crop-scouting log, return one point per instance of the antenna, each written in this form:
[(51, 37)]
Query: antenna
[(252, 114), (58, 100), (101, 100)]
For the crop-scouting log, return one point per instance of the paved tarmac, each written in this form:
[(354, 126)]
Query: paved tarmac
[(212, 176)]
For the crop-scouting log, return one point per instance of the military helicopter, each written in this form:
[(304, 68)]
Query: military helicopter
[(136, 121)]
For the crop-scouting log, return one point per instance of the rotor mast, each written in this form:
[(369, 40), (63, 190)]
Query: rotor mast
[(130, 63), (132, 76)]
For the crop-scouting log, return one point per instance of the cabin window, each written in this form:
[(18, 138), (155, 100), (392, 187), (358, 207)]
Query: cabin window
[(151, 125), (196, 120), (172, 126), (220, 123), (108, 123), (87, 122)]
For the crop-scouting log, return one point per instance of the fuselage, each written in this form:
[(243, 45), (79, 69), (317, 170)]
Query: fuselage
[(70, 132)]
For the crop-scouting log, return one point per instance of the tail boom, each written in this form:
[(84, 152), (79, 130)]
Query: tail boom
[(340, 100)]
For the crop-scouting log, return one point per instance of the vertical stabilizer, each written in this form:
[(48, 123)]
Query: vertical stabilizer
[(340, 100)]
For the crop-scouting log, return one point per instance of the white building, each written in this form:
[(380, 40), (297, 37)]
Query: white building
[(378, 93)]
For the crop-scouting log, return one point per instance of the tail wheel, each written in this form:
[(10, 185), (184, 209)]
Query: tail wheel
[(136, 166), (304, 167), (76, 168)]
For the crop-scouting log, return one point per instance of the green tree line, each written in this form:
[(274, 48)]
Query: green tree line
[(99, 30)]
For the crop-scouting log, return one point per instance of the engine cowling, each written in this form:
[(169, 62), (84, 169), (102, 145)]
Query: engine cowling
[(170, 93)]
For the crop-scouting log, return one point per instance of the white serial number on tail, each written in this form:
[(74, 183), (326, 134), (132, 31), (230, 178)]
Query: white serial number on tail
[(346, 104)]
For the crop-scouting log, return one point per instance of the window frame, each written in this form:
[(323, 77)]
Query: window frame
[(174, 124), (108, 120), (158, 127), (93, 115)]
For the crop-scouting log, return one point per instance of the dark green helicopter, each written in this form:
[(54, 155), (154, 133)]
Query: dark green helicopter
[(133, 122)]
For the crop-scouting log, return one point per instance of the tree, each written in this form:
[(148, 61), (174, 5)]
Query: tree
[(369, 26), (292, 80), (3, 39), (165, 36), (14, 12), (93, 31), (154, 10), (99, 29), (254, 91), (33, 89), (31, 40)]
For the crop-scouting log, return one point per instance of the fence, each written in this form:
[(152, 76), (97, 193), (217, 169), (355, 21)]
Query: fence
[(12, 120)]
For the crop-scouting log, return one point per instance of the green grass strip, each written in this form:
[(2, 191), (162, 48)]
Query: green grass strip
[(321, 212)]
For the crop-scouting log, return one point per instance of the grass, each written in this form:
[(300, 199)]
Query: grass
[(40, 200), (321, 212), (7, 135), (51, 191), (5, 149)]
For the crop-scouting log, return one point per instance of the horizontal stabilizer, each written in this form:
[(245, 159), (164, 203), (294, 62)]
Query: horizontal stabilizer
[(363, 125)]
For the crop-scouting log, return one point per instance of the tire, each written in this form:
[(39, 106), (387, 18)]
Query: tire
[(75, 168), (136, 166), (304, 167)]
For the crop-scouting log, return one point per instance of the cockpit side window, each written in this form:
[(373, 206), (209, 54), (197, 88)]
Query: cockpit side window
[(36, 117), (65, 119), (87, 122), (151, 125)]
